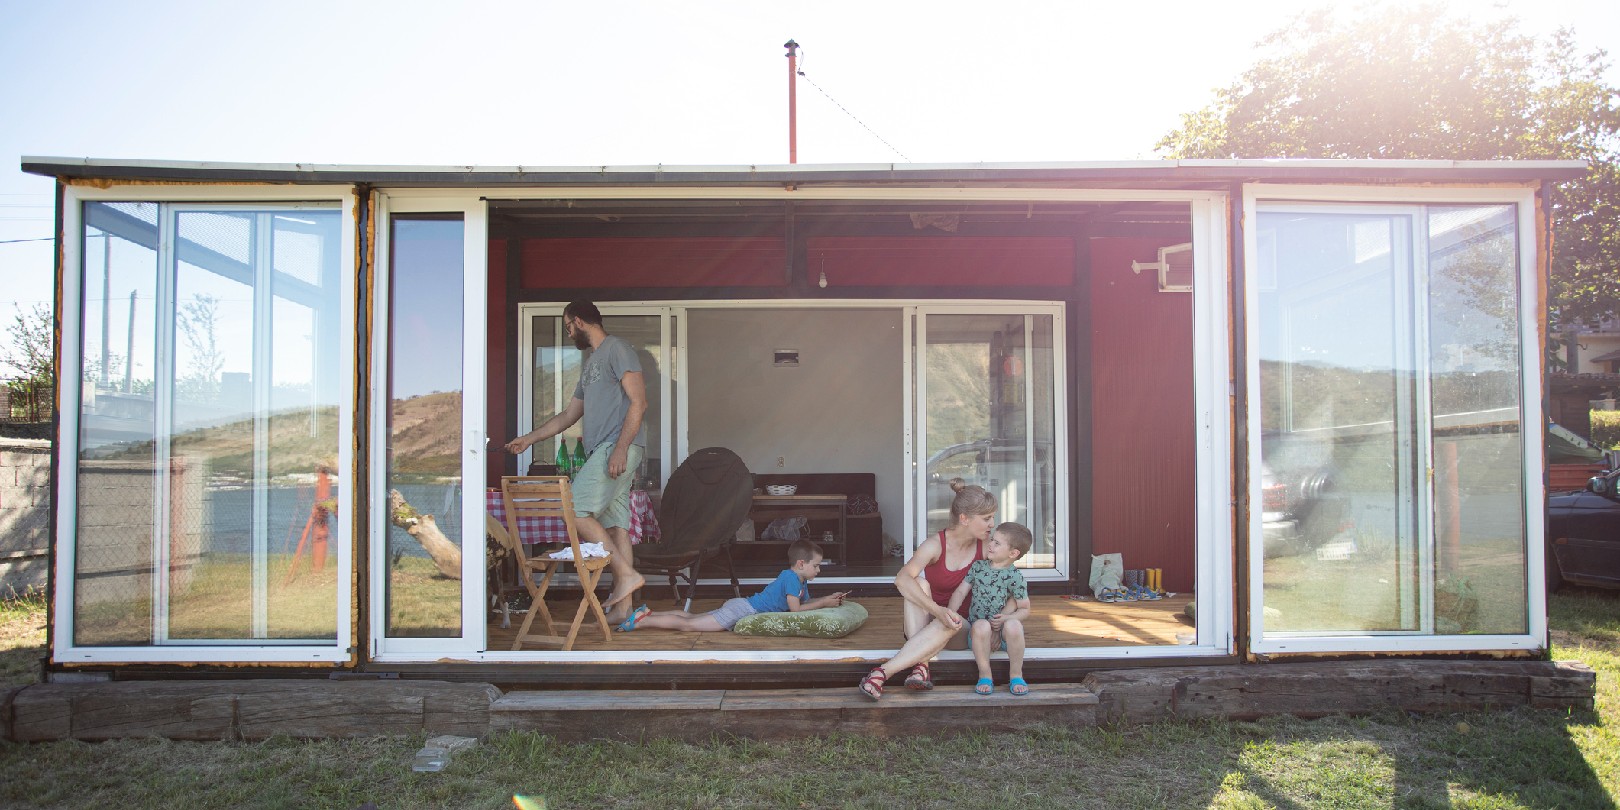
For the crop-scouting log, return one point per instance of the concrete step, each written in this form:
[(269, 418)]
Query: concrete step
[(699, 716)]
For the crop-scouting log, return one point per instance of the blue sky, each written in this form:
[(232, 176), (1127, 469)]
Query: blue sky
[(539, 83)]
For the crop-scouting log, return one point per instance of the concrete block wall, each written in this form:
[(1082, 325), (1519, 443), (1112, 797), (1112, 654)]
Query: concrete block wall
[(25, 509)]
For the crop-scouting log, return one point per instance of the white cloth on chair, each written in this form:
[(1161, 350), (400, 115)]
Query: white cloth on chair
[(589, 550)]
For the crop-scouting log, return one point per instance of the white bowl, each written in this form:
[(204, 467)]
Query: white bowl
[(782, 489)]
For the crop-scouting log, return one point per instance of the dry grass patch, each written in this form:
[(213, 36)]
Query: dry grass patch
[(22, 637)]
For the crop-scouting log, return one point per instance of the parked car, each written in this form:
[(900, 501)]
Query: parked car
[(1300, 508), (990, 464), (1583, 534)]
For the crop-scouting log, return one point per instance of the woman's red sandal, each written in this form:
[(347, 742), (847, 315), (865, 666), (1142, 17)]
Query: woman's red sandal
[(872, 684), (920, 678)]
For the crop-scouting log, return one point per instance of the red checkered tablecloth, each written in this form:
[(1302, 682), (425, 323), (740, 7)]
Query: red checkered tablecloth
[(643, 523)]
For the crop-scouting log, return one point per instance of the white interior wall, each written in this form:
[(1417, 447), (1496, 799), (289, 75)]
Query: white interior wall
[(839, 410)]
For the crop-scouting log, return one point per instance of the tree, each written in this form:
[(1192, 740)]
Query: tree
[(198, 321), (1415, 82), (31, 352)]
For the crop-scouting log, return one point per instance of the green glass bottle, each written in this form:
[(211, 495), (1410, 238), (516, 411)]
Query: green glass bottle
[(579, 454), (565, 465)]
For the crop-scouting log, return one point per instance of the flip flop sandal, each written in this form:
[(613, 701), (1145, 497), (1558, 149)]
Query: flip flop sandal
[(872, 684), (920, 678), (985, 686), (630, 621), (1018, 686)]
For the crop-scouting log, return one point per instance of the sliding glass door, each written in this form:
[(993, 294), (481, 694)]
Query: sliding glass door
[(206, 464), (427, 505), (987, 395), (1389, 458), (550, 370)]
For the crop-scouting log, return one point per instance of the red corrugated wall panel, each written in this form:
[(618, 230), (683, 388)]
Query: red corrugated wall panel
[(969, 261), (686, 261), (1143, 440)]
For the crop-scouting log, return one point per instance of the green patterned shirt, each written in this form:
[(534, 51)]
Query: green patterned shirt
[(992, 587)]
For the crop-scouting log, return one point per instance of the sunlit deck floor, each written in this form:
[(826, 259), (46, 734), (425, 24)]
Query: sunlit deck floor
[(1054, 622)]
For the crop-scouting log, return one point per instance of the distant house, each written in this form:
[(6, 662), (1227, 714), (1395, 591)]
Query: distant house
[(1343, 355), (1593, 349)]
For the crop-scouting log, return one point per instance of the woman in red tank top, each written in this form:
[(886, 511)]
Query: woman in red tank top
[(926, 583)]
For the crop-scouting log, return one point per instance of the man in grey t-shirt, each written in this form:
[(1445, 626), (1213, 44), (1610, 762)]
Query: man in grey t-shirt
[(612, 397)]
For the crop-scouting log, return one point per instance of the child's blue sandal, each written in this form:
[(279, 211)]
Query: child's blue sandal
[(635, 616), (1017, 686), (985, 686)]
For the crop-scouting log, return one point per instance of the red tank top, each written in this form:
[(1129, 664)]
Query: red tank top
[(942, 581)]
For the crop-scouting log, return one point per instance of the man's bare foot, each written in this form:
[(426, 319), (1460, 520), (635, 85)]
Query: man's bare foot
[(622, 591)]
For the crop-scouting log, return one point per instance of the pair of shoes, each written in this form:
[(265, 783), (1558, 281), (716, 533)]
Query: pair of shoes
[(635, 616), (872, 684), (920, 678), (1018, 686), (985, 686), (1147, 594)]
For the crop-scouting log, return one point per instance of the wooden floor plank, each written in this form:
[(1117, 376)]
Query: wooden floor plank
[(1055, 622)]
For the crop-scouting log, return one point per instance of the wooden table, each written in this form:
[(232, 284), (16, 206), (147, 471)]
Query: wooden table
[(813, 507)]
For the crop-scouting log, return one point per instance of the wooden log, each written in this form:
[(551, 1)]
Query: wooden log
[(446, 555), (698, 716)]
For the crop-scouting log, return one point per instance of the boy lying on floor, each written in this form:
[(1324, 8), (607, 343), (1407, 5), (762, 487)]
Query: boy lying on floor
[(788, 593)]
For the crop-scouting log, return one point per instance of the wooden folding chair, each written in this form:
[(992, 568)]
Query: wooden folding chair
[(550, 497)]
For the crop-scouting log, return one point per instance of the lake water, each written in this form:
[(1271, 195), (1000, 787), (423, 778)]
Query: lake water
[(227, 517)]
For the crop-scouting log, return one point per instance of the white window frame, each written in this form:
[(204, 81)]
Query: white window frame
[(64, 651), (1380, 199), (474, 212), (1212, 372)]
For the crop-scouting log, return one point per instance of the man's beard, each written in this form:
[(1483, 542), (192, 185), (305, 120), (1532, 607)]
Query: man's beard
[(582, 341)]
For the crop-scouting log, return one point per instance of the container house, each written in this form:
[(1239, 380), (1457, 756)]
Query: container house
[(1308, 393)]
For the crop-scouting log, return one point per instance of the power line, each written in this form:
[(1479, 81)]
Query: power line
[(39, 239), (850, 114)]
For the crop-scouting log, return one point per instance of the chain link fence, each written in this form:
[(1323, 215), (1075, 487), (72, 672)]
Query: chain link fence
[(25, 401)]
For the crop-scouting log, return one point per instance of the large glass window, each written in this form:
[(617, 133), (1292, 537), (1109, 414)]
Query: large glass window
[(1392, 464), (424, 426), (208, 424)]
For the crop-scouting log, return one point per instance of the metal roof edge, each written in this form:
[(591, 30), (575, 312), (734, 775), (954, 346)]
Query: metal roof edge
[(1148, 170)]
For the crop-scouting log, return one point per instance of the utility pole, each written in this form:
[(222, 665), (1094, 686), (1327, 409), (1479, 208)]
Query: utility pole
[(793, 101)]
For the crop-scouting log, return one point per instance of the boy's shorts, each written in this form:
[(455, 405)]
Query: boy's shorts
[(598, 496), (732, 612)]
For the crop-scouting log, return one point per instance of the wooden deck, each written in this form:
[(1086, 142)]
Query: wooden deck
[(1055, 622)]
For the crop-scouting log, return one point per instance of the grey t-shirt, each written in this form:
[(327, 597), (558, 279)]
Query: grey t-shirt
[(605, 401)]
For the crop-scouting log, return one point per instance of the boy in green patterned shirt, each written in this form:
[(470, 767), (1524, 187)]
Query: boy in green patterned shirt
[(999, 607)]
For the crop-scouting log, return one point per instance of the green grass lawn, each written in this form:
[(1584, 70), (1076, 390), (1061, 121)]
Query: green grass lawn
[(1513, 759)]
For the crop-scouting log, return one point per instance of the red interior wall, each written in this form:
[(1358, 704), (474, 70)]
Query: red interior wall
[(686, 261), (873, 261), (1142, 433), (498, 408)]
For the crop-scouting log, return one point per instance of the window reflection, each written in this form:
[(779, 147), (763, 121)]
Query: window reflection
[(1376, 369), (424, 418), (208, 414)]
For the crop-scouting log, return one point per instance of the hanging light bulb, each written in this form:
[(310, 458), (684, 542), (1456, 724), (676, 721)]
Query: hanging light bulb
[(823, 281)]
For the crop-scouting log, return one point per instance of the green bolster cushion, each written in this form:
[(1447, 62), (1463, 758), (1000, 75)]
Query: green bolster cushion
[(830, 622)]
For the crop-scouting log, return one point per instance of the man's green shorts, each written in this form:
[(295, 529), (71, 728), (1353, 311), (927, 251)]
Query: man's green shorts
[(606, 499)]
